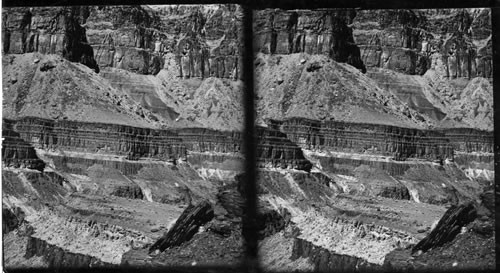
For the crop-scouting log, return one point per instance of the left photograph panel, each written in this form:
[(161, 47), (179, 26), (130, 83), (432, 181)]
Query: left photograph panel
[(122, 136)]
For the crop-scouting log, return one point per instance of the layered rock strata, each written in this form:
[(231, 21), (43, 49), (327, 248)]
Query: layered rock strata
[(401, 143), (16, 152), (275, 149), (134, 143), (470, 140)]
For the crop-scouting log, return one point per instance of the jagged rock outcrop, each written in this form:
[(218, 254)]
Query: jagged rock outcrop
[(48, 30), (313, 32), (12, 218), (186, 226), (448, 226)]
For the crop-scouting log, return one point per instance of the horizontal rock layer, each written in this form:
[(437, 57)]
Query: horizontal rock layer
[(16, 152), (401, 143), (275, 149), (470, 140), (134, 143)]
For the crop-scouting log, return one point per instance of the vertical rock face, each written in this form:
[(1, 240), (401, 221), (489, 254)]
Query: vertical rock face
[(313, 32), (205, 40), (456, 43), (48, 31)]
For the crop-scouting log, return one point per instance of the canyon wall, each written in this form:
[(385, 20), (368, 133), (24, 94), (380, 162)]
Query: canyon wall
[(206, 41), (47, 30), (323, 32), (454, 42)]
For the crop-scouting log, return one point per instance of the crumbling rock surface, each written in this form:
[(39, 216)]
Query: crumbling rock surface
[(326, 261), (12, 218), (57, 257)]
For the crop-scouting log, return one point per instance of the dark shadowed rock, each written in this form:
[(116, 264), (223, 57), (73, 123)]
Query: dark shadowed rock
[(323, 32), (448, 227), (186, 226)]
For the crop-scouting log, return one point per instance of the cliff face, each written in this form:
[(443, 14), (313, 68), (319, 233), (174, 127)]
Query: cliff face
[(205, 40), (413, 41), (48, 31), (312, 32)]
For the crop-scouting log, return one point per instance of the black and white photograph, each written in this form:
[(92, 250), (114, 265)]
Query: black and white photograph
[(122, 136), (379, 124), (248, 137)]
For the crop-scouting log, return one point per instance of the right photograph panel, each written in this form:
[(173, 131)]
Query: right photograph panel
[(375, 132)]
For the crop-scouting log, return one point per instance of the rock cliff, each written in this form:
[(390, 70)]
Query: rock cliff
[(325, 32), (206, 41), (48, 31), (413, 41)]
